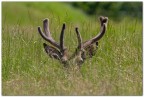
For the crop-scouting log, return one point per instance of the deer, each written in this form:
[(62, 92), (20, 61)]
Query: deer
[(84, 50)]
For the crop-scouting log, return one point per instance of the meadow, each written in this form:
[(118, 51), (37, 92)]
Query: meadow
[(116, 69)]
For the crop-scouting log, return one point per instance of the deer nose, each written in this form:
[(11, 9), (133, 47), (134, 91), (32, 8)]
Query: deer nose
[(64, 60), (79, 60)]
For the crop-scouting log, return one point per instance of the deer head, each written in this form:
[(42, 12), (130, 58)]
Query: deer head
[(84, 49)]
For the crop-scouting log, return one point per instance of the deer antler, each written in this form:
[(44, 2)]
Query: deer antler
[(88, 45), (103, 21), (79, 47), (47, 35), (58, 51)]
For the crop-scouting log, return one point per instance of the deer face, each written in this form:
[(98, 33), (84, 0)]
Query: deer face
[(83, 51), (56, 54)]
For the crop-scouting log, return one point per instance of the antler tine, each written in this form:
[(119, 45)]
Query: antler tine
[(79, 38), (103, 21), (62, 38), (46, 27), (79, 44), (48, 37)]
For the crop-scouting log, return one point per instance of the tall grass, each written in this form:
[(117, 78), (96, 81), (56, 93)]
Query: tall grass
[(115, 70)]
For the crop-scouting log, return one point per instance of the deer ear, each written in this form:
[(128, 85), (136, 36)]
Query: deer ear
[(91, 50), (52, 52), (94, 49)]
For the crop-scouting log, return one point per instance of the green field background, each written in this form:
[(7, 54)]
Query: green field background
[(116, 69)]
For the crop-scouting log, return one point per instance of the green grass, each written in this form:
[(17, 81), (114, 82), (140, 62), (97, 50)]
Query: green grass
[(27, 70), (33, 13)]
